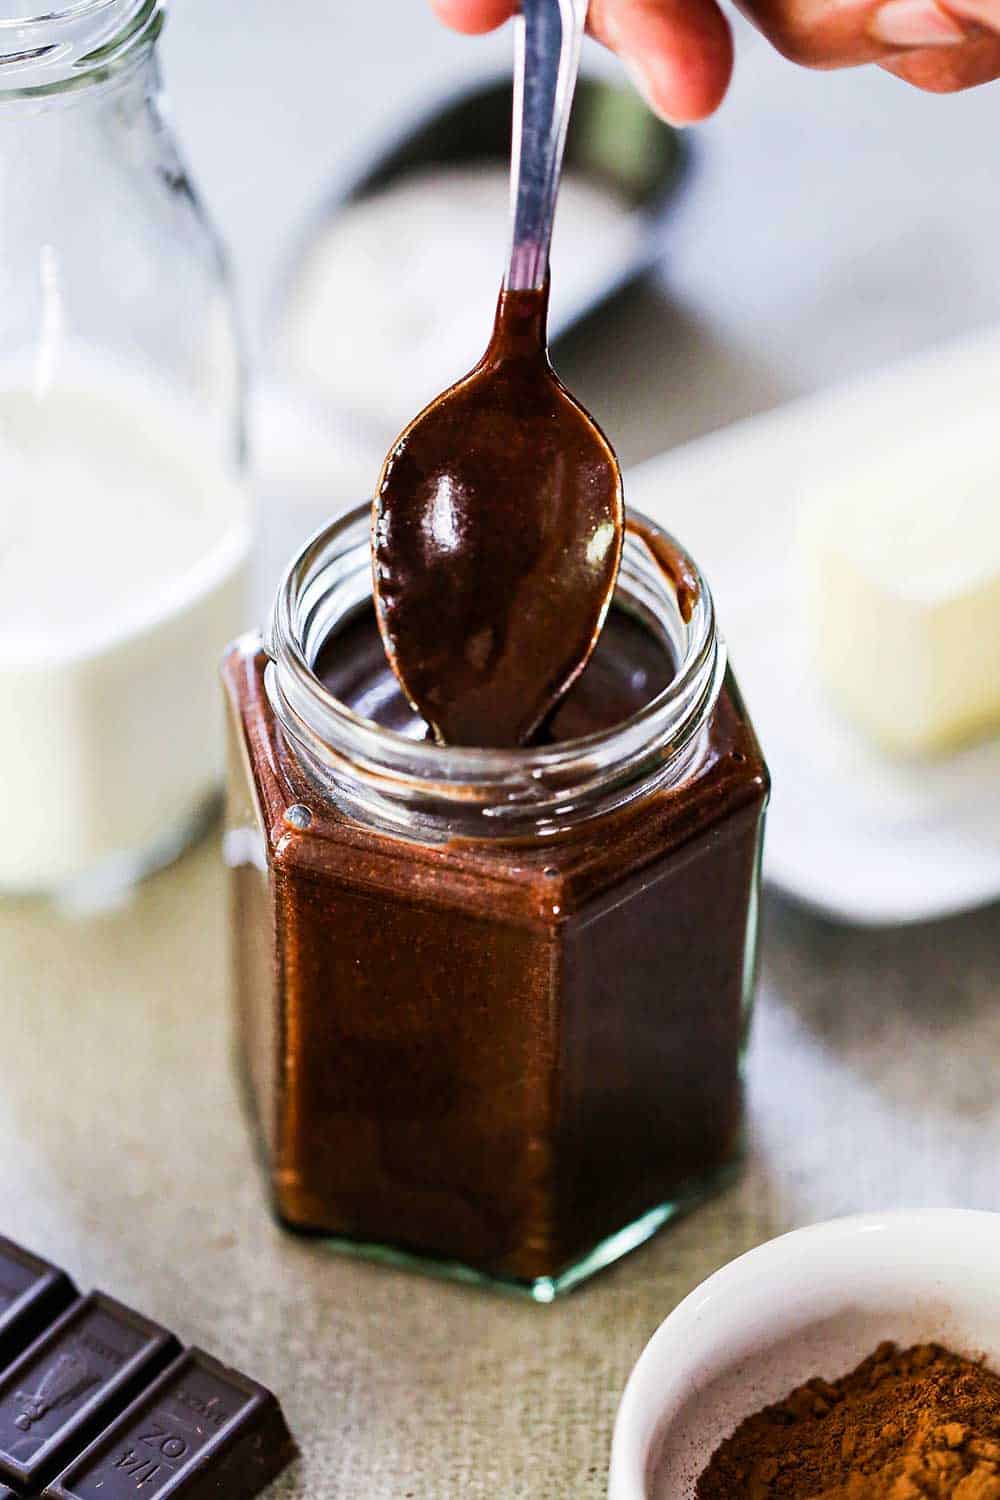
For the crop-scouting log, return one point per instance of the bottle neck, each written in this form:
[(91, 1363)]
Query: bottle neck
[(72, 44)]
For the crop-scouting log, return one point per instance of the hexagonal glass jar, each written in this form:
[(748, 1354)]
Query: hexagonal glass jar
[(493, 1004)]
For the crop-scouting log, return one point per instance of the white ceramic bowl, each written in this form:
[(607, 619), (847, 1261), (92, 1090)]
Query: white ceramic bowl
[(812, 1302)]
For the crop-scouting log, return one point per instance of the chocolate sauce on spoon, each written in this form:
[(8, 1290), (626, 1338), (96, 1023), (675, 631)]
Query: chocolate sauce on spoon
[(498, 521), (497, 541)]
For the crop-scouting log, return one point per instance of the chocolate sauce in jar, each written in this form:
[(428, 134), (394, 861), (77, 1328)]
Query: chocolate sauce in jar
[(497, 1052), (628, 668)]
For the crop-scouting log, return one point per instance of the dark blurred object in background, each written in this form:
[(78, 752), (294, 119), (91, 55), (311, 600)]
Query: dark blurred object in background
[(388, 295)]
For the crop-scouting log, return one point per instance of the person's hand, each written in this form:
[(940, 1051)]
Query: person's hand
[(681, 55)]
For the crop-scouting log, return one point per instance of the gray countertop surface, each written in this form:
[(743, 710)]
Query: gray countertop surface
[(126, 1157), (834, 221)]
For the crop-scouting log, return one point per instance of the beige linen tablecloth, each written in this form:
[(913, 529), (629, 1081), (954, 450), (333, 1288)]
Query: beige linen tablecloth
[(124, 1154)]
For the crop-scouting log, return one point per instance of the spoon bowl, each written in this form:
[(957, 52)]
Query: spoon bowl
[(498, 525)]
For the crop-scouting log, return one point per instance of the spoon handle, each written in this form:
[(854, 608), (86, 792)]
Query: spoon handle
[(548, 37)]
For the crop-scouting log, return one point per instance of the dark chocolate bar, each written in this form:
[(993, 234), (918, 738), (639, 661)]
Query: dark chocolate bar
[(71, 1382), (201, 1430), (32, 1293)]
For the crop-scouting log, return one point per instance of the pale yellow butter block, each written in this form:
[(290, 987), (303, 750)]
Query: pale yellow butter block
[(900, 566)]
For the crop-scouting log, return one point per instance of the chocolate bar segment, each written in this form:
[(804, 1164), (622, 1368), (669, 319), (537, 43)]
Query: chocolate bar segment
[(71, 1382), (200, 1430), (32, 1293)]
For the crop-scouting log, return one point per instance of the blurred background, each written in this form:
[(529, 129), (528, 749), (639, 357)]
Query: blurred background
[(786, 319), (831, 221), (828, 236)]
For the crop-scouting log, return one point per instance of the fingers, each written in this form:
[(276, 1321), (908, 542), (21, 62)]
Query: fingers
[(984, 15), (474, 16), (914, 24), (832, 34), (946, 71), (679, 52)]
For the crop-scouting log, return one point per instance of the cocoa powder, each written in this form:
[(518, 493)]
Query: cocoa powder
[(905, 1425)]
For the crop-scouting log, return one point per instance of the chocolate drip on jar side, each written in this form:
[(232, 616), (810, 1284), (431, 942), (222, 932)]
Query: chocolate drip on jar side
[(674, 567)]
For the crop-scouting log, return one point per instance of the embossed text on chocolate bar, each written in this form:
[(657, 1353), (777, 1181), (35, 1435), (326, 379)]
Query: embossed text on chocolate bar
[(71, 1382), (200, 1429)]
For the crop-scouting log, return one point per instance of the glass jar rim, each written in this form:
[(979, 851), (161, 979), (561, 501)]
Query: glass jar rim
[(543, 782), (72, 45), (71, 11)]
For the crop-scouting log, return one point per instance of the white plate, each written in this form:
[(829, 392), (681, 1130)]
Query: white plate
[(817, 1301), (851, 832)]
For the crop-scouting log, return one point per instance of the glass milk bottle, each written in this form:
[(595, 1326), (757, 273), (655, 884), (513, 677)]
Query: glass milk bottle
[(124, 529)]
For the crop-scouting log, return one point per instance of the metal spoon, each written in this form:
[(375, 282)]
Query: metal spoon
[(498, 521)]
